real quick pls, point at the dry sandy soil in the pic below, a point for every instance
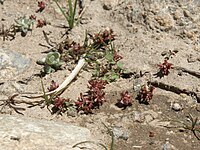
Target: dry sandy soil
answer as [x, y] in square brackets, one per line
[144, 30]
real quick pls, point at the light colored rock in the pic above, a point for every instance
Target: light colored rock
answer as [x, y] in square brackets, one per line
[120, 133]
[12, 63]
[168, 146]
[22, 133]
[176, 106]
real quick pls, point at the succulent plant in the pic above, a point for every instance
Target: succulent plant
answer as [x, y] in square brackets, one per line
[51, 63]
[24, 25]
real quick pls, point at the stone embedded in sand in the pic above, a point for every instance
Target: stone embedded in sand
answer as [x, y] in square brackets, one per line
[12, 63]
[176, 107]
[31, 134]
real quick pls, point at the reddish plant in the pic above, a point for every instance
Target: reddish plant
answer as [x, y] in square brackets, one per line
[32, 17]
[61, 104]
[103, 38]
[84, 104]
[146, 93]
[96, 85]
[77, 49]
[41, 23]
[165, 67]
[94, 97]
[117, 57]
[53, 86]
[41, 5]
[126, 100]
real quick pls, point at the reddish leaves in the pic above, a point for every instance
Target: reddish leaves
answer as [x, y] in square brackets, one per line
[146, 93]
[94, 97]
[41, 5]
[125, 101]
[41, 23]
[103, 38]
[165, 67]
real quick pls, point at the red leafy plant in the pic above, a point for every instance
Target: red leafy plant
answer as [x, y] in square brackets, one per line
[164, 68]
[60, 104]
[94, 98]
[125, 101]
[41, 23]
[41, 5]
[145, 94]
[32, 17]
[102, 38]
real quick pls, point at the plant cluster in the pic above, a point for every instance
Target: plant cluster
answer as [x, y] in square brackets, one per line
[146, 93]
[165, 67]
[125, 101]
[112, 69]
[24, 24]
[41, 6]
[102, 38]
[60, 105]
[98, 50]
[94, 97]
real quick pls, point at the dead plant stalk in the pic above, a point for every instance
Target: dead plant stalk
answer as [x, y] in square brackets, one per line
[65, 83]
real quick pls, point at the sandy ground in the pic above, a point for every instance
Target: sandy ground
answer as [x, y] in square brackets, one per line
[143, 31]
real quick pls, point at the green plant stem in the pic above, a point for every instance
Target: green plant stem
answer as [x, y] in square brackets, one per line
[72, 11]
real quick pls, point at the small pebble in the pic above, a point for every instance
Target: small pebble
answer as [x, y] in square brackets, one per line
[176, 107]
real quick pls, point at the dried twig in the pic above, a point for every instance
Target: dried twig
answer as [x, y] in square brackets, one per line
[11, 103]
[191, 72]
[6, 33]
[175, 89]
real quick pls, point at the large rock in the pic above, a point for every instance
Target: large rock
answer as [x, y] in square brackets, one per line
[12, 63]
[22, 133]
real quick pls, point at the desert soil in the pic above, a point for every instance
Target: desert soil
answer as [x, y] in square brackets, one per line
[144, 30]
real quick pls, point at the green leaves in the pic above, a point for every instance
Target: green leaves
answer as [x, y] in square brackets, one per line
[112, 69]
[51, 63]
[24, 24]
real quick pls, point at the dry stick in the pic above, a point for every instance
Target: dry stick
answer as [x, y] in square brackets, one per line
[194, 73]
[65, 83]
[174, 89]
